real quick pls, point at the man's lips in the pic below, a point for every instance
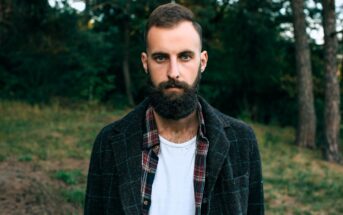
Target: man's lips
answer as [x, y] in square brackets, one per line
[173, 89]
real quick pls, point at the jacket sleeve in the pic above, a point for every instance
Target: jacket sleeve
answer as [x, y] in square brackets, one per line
[256, 197]
[94, 196]
[102, 195]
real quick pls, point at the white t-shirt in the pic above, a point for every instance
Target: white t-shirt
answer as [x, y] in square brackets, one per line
[173, 189]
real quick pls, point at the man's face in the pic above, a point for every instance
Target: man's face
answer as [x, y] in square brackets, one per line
[174, 53]
[174, 61]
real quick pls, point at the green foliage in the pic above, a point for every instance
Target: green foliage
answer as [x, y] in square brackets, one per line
[79, 56]
[69, 177]
[58, 57]
[74, 193]
[75, 196]
[25, 158]
[251, 73]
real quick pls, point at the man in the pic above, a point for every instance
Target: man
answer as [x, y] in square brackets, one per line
[174, 154]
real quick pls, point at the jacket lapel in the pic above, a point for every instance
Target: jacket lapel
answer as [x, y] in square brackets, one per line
[218, 145]
[127, 149]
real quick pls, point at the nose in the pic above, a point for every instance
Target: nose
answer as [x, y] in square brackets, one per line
[173, 70]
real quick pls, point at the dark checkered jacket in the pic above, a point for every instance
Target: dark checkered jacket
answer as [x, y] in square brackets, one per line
[233, 174]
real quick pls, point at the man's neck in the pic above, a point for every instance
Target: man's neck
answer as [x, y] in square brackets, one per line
[177, 131]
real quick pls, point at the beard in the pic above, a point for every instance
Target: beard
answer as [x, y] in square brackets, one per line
[174, 105]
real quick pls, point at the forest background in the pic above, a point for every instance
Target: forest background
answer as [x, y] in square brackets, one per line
[67, 72]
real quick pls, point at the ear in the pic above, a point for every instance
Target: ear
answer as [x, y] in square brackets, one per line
[144, 59]
[203, 60]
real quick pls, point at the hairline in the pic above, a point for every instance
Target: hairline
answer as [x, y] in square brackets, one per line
[196, 26]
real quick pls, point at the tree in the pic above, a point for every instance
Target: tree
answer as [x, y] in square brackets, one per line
[332, 95]
[55, 54]
[5, 25]
[126, 54]
[306, 130]
[118, 19]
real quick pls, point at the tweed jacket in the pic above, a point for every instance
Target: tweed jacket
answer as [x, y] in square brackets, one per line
[233, 172]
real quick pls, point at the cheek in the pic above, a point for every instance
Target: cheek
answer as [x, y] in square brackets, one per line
[155, 79]
[191, 70]
[157, 72]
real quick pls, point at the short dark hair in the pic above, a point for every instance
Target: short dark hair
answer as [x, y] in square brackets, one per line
[169, 15]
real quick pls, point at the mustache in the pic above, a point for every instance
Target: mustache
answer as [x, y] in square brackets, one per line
[173, 83]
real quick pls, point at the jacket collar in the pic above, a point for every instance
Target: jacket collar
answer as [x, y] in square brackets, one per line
[130, 139]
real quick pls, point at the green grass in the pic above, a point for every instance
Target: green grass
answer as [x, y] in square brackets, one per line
[69, 177]
[74, 195]
[50, 132]
[44, 136]
[296, 180]
[75, 181]
[25, 158]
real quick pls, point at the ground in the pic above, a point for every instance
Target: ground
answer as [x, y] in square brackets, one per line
[26, 188]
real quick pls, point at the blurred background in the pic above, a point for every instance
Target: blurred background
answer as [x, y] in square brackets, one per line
[69, 67]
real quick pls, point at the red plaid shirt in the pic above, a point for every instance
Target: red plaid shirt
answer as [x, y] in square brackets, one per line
[150, 151]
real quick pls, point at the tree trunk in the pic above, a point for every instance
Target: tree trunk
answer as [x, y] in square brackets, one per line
[126, 57]
[306, 130]
[2, 20]
[332, 94]
[5, 25]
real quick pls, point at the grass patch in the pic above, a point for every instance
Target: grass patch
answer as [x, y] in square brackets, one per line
[75, 196]
[25, 158]
[74, 192]
[69, 177]
[51, 132]
[2, 157]
[297, 180]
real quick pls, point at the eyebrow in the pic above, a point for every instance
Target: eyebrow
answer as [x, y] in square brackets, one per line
[188, 52]
[166, 54]
[158, 54]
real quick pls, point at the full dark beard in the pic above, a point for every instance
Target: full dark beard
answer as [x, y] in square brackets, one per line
[174, 106]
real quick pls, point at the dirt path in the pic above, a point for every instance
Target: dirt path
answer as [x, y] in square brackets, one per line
[27, 188]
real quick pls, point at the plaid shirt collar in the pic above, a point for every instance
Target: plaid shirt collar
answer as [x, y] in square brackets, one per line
[150, 151]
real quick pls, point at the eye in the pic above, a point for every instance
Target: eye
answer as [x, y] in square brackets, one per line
[160, 58]
[185, 57]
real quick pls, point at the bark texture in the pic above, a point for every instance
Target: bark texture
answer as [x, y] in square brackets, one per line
[306, 130]
[332, 94]
[5, 25]
[126, 56]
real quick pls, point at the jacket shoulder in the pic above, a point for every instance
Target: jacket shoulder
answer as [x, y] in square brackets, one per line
[108, 130]
[242, 129]
[133, 119]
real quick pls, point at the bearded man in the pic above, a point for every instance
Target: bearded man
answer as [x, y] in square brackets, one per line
[174, 154]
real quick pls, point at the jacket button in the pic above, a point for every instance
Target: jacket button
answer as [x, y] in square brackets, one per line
[146, 202]
[204, 200]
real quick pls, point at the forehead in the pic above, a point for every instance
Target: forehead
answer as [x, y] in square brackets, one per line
[180, 37]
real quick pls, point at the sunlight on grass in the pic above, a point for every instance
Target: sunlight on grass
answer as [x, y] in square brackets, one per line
[297, 180]
[50, 132]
